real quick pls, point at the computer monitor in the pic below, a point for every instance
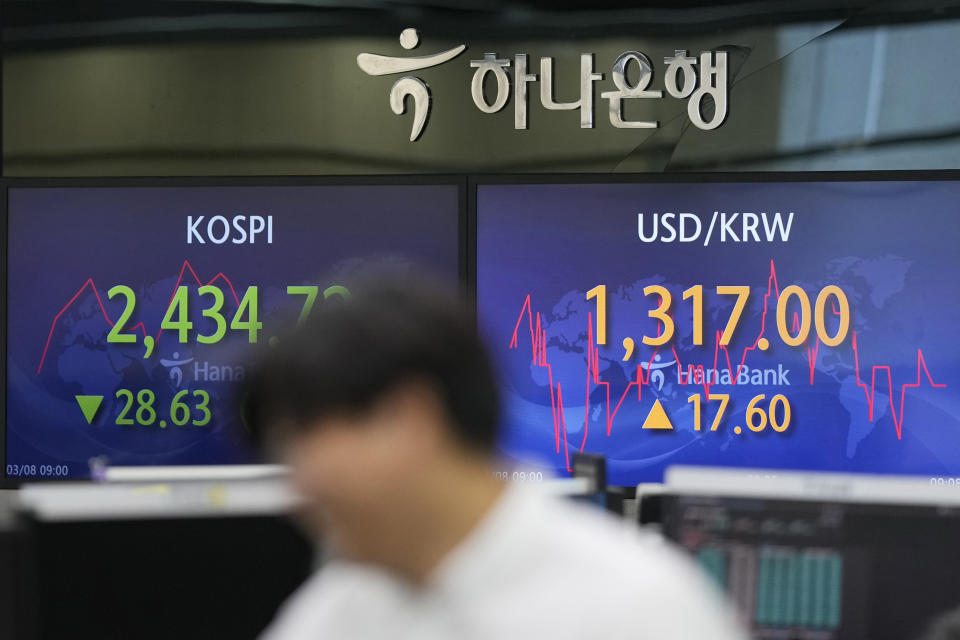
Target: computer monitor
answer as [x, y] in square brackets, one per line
[185, 559]
[132, 306]
[826, 556]
[785, 321]
[11, 557]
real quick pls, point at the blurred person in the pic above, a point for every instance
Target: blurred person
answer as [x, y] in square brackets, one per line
[385, 408]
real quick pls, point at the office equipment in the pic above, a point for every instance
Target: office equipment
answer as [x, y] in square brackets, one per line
[135, 304]
[828, 556]
[790, 321]
[187, 559]
[593, 469]
[11, 558]
[649, 504]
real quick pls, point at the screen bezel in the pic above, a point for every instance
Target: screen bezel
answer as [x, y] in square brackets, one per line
[8, 184]
[476, 181]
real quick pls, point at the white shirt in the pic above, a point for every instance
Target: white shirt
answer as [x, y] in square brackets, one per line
[534, 567]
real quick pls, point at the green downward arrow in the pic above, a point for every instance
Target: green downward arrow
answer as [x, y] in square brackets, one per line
[89, 405]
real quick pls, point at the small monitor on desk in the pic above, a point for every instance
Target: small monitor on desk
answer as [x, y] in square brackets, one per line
[185, 559]
[826, 556]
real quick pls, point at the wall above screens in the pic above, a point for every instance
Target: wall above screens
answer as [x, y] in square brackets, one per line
[833, 88]
[91, 374]
[863, 265]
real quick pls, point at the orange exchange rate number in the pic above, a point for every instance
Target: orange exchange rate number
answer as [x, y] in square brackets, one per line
[757, 417]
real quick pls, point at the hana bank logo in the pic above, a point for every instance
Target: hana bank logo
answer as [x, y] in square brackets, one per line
[174, 365]
[703, 81]
[655, 370]
[378, 65]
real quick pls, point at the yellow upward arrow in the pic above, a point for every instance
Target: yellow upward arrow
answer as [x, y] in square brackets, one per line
[657, 418]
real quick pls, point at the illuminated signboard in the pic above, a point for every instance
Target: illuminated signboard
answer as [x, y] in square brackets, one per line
[132, 309]
[781, 324]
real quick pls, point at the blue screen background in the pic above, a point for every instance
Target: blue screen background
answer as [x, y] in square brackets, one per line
[69, 241]
[892, 246]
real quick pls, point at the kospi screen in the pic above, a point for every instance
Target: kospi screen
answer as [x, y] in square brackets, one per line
[131, 309]
[777, 324]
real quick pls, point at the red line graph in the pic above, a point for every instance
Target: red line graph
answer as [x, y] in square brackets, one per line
[139, 326]
[696, 374]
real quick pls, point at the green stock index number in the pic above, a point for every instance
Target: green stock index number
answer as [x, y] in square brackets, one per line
[177, 320]
[180, 411]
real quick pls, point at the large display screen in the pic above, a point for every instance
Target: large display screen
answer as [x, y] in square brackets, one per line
[131, 310]
[778, 324]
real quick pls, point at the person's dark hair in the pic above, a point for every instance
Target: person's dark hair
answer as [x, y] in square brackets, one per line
[348, 354]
